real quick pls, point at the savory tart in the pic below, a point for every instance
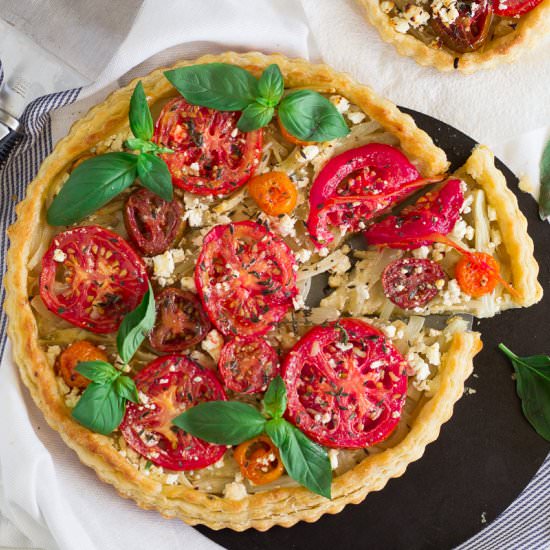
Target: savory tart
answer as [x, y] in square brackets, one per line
[157, 286]
[460, 35]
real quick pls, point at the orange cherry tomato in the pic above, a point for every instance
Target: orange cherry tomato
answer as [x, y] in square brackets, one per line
[274, 193]
[289, 137]
[77, 353]
[259, 460]
[477, 274]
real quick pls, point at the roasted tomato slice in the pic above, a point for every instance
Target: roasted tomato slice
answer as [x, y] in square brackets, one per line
[211, 156]
[92, 277]
[248, 365]
[412, 282]
[346, 384]
[180, 323]
[469, 30]
[514, 8]
[153, 224]
[357, 185]
[245, 278]
[435, 213]
[168, 386]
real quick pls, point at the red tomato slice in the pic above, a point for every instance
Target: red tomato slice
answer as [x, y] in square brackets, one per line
[435, 213]
[411, 282]
[171, 385]
[211, 156]
[245, 278]
[346, 384]
[355, 186]
[514, 8]
[92, 278]
[153, 224]
[248, 365]
[180, 323]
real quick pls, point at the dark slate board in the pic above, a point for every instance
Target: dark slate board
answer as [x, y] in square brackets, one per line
[486, 454]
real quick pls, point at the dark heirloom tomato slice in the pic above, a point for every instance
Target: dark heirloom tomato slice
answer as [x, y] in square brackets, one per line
[411, 282]
[245, 278]
[247, 365]
[180, 323]
[355, 186]
[470, 29]
[211, 155]
[153, 224]
[435, 213]
[346, 384]
[513, 8]
[168, 386]
[92, 277]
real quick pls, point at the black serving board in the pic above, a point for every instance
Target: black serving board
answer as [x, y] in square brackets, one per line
[486, 454]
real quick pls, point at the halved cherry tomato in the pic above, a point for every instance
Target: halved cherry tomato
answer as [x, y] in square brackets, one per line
[514, 8]
[247, 365]
[259, 460]
[469, 31]
[477, 274]
[211, 155]
[168, 386]
[355, 186]
[92, 277]
[153, 224]
[346, 384]
[78, 352]
[290, 138]
[245, 278]
[274, 193]
[180, 322]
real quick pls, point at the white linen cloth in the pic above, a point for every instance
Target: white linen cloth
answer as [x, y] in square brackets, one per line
[48, 499]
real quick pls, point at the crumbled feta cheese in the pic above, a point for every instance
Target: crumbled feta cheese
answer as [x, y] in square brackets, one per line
[416, 16]
[171, 479]
[400, 25]
[356, 117]
[213, 344]
[421, 252]
[178, 255]
[234, 491]
[452, 295]
[341, 103]
[298, 302]
[285, 225]
[445, 10]
[59, 255]
[308, 153]
[333, 457]
[188, 283]
[194, 167]
[303, 255]
[459, 230]
[323, 252]
[491, 214]
[194, 210]
[389, 331]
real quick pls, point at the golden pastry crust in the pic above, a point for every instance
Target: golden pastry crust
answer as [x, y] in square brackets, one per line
[283, 506]
[531, 27]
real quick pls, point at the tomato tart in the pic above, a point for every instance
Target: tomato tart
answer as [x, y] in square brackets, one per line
[460, 35]
[159, 280]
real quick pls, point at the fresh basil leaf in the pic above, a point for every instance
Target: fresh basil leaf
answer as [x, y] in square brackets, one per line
[91, 185]
[135, 326]
[126, 387]
[274, 402]
[143, 146]
[100, 408]
[154, 174]
[533, 387]
[544, 197]
[271, 85]
[216, 85]
[141, 121]
[255, 116]
[305, 461]
[98, 371]
[222, 422]
[309, 116]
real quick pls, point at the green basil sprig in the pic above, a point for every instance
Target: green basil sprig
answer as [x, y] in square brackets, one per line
[306, 114]
[96, 181]
[103, 403]
[232, 422]
[533, 387]
[544, 198]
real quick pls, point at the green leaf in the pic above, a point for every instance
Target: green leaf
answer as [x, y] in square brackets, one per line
[100, 408]
[222, 422]
[154, 174]
[274, 402]
[141, 121]
[143, 146]
[544, 198]
[126, 387]
[135, 326]
[98, 371]
[309, 116]
[305, 461]
[271, 85]
[533, 387]
[91, 185]
[255, 116]
[216, 85]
